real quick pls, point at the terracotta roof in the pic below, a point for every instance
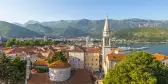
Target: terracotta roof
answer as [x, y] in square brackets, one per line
[116, 56]
[158, 56]
[59, 64]
[20, 50]
[76, 49]
[80, 76]
[93, 50]
[41, 62]
[4, 48]
[7, 51]
[39, 78]
[166, 57]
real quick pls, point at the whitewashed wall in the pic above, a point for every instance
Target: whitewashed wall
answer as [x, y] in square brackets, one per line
[59, 74]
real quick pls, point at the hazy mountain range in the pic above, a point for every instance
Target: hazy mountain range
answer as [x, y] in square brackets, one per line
[83, 27]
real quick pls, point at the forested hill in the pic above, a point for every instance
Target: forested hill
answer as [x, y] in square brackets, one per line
[12, 30]
[86, 27]
[148, 34]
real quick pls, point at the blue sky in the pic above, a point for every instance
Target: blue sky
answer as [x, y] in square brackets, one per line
[49, 10]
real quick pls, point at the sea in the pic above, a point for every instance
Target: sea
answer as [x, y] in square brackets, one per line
[161, 48]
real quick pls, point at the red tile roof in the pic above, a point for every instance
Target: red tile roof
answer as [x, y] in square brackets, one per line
[117, 57]
[41, 62]
[76, 49]
[93, 50]
[80, 76]
[158, 56]
[21, 50]
[39, 78]
[59, 64]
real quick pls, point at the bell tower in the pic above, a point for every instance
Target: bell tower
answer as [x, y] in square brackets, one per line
[106, 47]
[106, 34]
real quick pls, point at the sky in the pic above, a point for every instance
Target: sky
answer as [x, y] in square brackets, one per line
[52, 10]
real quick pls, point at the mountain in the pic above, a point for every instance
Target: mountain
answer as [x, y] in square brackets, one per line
[145, 33]
[31, 22]
[73, 32]
[19, 24]
[39, 28]
[12, 30]
[92, 28]
[95, 27]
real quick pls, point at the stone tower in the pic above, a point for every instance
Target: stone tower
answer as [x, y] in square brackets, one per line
[106, 47]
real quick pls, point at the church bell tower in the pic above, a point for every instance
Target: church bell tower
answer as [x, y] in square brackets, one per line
[106, 47]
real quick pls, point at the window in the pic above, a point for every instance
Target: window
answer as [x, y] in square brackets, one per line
[92, 59]
[92, 64]
[96, 59]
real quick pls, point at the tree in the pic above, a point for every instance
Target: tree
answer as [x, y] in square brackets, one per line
[10, 42]
[57, 56]
[17, 70]
[138, 68]
[12, 70]
[4, 63]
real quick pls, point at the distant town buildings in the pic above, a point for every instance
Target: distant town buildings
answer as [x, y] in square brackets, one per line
[45, 38]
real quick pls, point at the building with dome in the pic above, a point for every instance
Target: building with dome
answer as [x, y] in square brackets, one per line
[59, 71]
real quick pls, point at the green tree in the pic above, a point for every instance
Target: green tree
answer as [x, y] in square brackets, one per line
[138, 68]
[4, 70]
[12, 70]
[57, 56]
[17, 70]
[10, 42]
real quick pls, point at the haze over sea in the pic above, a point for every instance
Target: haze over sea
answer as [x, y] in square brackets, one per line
[161, 48]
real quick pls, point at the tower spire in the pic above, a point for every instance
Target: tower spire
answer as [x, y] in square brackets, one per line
[106, 25]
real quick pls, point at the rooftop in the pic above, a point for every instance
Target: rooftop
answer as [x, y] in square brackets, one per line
[41, 62]
[76, 49]
[117, 57]
[59, 64]
[93, 50]
[80, 76]
[158, 56]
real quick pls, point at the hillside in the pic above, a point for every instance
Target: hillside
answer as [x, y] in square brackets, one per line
[11, 30]
[95, 27]
[152, 34]
[39, 28]
[72, 32]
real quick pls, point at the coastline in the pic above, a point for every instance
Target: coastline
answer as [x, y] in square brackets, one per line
[141, 42]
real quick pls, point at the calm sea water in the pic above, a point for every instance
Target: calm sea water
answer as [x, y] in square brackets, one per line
[153, 47]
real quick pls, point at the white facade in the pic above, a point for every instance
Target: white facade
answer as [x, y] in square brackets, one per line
[59, 74]
[76, 59]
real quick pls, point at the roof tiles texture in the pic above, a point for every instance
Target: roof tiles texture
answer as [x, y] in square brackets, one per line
[59, 64]
[80, 76]
[41, 63]
[93, 50]
[117, 57]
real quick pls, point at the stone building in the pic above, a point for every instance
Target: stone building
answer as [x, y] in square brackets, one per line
[92, 58]
[76, 57]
